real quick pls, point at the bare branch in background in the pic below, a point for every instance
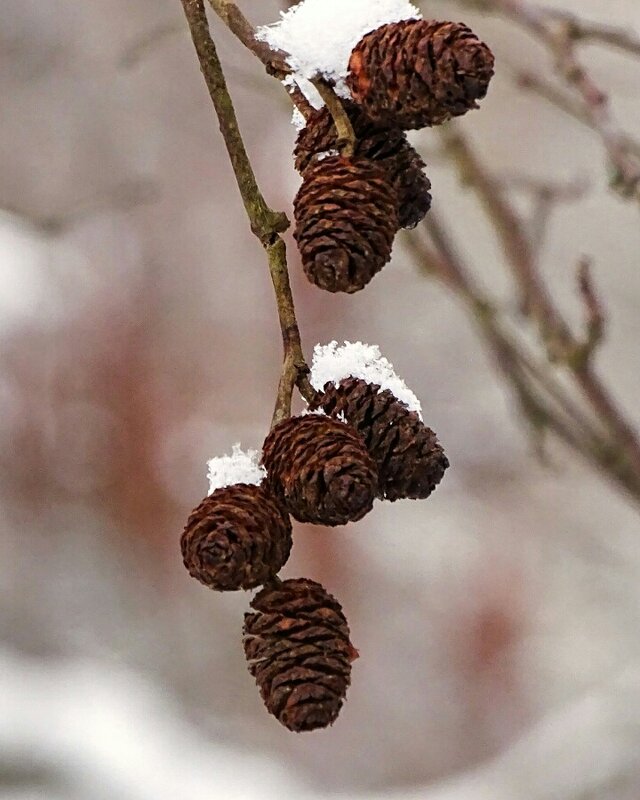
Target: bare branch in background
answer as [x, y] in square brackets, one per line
[565, 102]
[537, 303]
[544, 400]
[560, 32]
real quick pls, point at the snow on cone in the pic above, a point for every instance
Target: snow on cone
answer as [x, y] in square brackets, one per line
[357, 384]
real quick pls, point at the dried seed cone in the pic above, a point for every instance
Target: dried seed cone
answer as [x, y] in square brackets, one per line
[298, 650]
[237, 538]
[418, 73]
[321, 470]
[346, 215]
[410, 460]
[387, 146]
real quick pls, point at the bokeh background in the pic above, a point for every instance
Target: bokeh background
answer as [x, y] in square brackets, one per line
[497, 622]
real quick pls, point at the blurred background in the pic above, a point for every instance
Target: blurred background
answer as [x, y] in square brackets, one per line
[497, 622]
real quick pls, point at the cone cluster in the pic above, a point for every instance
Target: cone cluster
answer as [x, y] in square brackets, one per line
[402, 76]
[385, 145]
[325, 467]
[358, 441]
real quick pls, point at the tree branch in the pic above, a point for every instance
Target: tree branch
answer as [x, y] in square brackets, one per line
[560, 31]
[266, 224]
[566, 103]
[274, 60]
[542, 398]
[560, 343]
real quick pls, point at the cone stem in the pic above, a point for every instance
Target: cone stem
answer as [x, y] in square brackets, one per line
[344, 128]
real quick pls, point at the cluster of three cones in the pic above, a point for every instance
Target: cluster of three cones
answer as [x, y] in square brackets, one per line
[402, 76]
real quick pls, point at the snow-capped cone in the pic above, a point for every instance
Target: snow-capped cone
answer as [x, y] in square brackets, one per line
[408, 456]
[418, 73]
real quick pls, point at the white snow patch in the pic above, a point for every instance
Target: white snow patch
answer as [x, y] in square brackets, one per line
[297, 120]
[322, 413]
[319, 35]
[327, 154]
[333, 362]
[239, 467]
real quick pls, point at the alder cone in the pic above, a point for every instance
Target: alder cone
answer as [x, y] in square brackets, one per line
[298, 650]
[320, 469]
[346, 215]
[409, 458]
[385, 145]
[237, 538]
[418, 73]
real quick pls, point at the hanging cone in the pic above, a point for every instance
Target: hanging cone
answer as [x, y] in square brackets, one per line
[237, 538]
[320, 469]
[298, 650]
[418, 73]
[387, 146]
[346, 215]
[409, 458]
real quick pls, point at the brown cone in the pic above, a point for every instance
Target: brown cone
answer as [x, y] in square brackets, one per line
[387, 146]
[320, 469]
[298, 649]
[418, 73]
[410, 460]
[237, 538]
[346, 215]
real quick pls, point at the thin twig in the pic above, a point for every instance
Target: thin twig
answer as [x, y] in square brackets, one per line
[274, 61]
[239, 25]
[346, 137]
[565, 102]
[266, 224]
[595, 315]
[542, 399]
[560, 31]
[535, 300]
[585, 31]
